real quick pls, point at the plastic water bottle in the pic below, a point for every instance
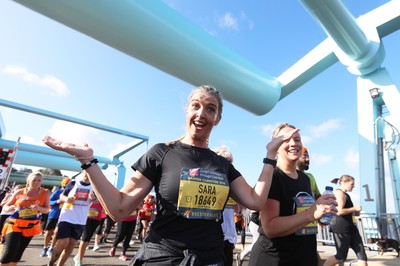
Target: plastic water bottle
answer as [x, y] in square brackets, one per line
[328, 218]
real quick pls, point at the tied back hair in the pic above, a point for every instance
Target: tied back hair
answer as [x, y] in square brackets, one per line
[342, 179]
[208, 90]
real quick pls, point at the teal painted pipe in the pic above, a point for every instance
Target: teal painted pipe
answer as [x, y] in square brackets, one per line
[48, 181]
[359, 44]
[38, 111]
[48, 158]
[340, 24]
[159, 36]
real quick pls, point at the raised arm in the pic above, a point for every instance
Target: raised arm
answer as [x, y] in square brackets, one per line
[118, 203]
[254, 198]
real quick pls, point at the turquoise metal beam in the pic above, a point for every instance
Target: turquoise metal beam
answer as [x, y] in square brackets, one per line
[156, 34]
[357, 45]
[386, 20]
[370, 129]
[45, 157]
[71, 119]
[340, 25]
[121, 172]
[48, 181]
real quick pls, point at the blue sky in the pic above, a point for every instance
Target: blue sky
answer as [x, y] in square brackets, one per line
[50, 66]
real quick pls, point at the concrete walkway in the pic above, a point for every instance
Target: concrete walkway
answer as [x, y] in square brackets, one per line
[31, 256]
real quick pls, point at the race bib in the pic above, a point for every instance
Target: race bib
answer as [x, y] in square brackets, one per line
[202, 194]
[230, 204]
[302, 202]
[27, 212]
[93, 213]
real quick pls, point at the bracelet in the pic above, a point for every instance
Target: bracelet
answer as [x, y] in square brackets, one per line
[88, 164]
[270, 161]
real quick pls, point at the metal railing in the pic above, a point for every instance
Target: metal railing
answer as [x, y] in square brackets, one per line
[369, 227]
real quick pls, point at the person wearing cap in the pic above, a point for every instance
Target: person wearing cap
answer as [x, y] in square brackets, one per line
[54, 214]
[303, 165]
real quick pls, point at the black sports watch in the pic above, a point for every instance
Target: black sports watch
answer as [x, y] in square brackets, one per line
[269, 161]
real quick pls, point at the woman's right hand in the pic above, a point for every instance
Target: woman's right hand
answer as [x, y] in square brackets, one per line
[275, 143]
[324, 205]
[81, 153]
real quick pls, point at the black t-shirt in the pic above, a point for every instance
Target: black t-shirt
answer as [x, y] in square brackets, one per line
[162, 165]
[291, 249]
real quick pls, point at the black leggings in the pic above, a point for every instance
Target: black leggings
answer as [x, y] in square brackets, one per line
[14, 247]
[124, 232]
[109, 224]
[90, 228]
[99, 229]
[351, 240]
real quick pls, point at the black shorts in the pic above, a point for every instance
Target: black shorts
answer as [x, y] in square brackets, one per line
[51, 224]
[90, 228]
[68, 230]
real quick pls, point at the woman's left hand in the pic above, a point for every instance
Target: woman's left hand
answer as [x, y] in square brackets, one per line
[325, 204]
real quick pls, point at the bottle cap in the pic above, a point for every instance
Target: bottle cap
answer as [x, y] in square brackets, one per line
[329, 188]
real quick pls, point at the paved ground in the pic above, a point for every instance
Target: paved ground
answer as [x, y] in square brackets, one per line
[31, 256]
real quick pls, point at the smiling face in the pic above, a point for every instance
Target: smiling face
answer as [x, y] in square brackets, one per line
[202, 114]
[290, 150]
[34, 181]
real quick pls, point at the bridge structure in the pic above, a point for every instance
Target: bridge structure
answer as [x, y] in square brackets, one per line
[357, 43]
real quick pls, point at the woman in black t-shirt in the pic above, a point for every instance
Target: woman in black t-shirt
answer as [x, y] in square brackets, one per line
[192, 184]
[288, 219]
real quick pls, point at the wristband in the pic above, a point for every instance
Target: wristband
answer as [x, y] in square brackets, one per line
[270, 161]
[88, 164]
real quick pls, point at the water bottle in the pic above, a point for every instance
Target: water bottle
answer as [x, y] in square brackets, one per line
[328, 218]
[69, 204]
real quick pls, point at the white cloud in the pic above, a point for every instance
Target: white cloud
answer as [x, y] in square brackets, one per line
[228, 21]
[250, 23]
[305, 139]
[30, 140]
[325, 128]
[56, 86]
[320, 159]
[314, 132]
[78, 134]
[309, 133]
[268, 130]
[352, 158]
